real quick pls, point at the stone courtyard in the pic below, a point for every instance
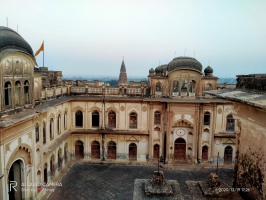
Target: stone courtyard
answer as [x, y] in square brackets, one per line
[116, 181]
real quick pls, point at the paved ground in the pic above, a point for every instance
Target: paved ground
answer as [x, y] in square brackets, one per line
[108, 181]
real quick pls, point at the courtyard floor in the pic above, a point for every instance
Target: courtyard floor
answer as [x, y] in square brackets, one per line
[110, 181]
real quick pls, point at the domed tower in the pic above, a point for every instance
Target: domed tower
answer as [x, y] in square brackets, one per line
[123, 75]
[209, 82]
[17, 64]
[157, 80]
[184, 75]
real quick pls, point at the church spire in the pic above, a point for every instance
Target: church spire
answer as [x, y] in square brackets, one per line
[123, 74]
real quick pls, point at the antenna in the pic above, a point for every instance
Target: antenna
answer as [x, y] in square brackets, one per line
[123, 58]
[185, 52]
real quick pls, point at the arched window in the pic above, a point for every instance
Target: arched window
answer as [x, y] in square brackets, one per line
[111, 119]
[37, 132]
[51, 129]
[157, 117]
[8, 92]
[207, 118]
[65, 120]
[158, 87]
[208, 87]
[230, 123]
[175, 86]
[26, 92]
[95, 119]
[79, 118]
[59, 124]
[184, 86]
[44, 133]
[17, 93]
[133, 120]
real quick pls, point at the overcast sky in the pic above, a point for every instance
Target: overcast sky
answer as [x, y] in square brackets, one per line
[91, 37]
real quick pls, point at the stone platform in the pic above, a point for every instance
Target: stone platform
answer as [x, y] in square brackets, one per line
[171, 190]
[156, 189]
[200, 190]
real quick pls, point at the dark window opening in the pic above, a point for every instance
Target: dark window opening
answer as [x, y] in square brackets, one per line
[44, 133]
[26, 92]
[51, 129]
[58, 125]
[37, 132]
[207, 118]
[8, 95]
[79, 118]
[95, 119]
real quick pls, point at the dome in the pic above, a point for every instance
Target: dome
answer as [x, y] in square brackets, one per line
[10, 39]
[151, 71]
[160, 69]
[208, 70]
[184, 63]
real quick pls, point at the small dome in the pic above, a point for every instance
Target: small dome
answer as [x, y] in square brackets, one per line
[184, 62]
[160, 69]
[208, 70]
[151, 71]
[10, 39]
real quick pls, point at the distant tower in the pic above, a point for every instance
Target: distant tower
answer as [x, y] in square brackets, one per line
[123, 75]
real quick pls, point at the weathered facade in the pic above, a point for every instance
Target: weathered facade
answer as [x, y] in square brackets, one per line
[250, 117]
[137, 122]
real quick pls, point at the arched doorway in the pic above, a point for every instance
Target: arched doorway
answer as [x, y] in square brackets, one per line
[95, 149]
[45, 177]
[156, 151]
[132, 151]
[204, 153]
[228, 154]
[16, 178]
[180, 149]
[79, 149]
[111, 152]
[52, 165]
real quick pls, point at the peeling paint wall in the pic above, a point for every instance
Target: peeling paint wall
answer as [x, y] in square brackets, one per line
[251, 151]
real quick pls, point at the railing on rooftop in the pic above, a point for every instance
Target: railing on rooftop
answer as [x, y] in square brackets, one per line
[55, 92]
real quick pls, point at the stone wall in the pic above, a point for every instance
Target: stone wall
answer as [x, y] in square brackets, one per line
[250, 157]
[252, 81]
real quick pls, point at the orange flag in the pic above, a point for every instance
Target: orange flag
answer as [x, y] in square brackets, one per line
[40, 49]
